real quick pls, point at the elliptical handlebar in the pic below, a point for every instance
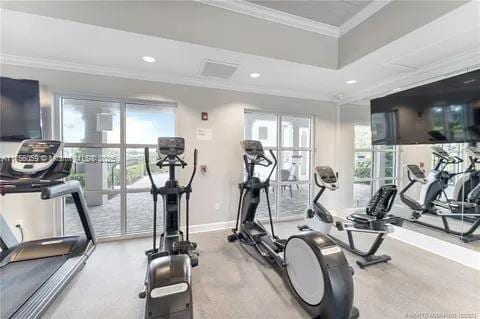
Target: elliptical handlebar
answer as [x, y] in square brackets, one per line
[172, 161]
[147, 167]
[270, 163]
[458, 160]
[195, 156]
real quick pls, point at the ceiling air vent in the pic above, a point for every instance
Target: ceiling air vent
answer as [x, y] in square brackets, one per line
[216, 69]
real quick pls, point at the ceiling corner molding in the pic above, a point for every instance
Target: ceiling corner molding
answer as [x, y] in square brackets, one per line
[449, 67]
[272, 15]
[362, 15]
[56, 65]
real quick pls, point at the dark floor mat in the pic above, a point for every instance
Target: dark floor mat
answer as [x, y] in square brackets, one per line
[19, 280]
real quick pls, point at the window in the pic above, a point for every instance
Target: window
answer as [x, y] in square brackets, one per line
[374, 166]
[106, 139]
[290, 138]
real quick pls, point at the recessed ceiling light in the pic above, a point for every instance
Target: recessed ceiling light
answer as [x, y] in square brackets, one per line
[149, 59]
[351, 81]
[254, 75]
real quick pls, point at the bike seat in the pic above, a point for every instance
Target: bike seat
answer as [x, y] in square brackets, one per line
[361, 218]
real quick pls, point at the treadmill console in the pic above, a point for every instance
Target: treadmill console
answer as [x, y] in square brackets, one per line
[36, 160]
[440, 152]
[36, 155]
[171, 146]
[252, 147]
[417, 173]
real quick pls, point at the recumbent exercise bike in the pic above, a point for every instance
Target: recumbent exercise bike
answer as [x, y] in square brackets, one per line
[376, 220]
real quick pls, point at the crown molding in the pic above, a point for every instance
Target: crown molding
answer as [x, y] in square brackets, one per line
[272, 15]
[57, 65]
[449, 67]
[362, 15]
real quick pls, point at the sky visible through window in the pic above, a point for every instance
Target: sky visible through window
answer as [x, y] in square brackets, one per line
[143, 124]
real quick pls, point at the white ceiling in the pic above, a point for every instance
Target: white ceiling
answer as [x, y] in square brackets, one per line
[430, 51]
[333, 13]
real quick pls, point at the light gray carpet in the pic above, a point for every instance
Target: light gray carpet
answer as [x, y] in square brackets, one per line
[230, 283]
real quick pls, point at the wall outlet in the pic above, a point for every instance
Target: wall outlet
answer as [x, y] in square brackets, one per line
[19, 222]
[217, 206]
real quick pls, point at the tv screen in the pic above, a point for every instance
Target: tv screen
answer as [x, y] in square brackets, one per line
[20, 117]
[447, 111]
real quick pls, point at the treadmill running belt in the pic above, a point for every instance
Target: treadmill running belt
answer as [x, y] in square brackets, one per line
[20, 280]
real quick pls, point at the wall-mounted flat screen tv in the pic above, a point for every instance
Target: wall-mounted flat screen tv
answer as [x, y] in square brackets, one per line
[20, 116]
[446, 111]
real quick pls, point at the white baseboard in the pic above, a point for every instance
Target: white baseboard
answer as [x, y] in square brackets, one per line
[201, 228]
[462, 255]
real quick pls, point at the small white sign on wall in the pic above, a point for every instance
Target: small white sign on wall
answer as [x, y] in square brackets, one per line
[204, 134]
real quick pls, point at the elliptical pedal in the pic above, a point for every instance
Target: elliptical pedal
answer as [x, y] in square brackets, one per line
[281, 243]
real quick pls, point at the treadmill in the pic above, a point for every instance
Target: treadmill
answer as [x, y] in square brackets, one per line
[33, 273]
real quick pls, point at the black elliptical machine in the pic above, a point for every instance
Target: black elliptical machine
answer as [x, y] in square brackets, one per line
[168, 283]
[314, 267]
[376, 220]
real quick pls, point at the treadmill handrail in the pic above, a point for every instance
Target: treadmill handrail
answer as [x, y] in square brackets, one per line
[75, 189]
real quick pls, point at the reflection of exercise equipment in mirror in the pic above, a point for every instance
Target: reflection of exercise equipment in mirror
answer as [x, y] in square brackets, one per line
[317, 271]
[467, 186]
[433, 187]
[375, 220]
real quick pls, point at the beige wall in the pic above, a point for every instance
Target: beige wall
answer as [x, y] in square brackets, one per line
[222, 154]
[348, 116]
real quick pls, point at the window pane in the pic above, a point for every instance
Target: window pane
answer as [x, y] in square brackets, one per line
[95, 168]
[363, 136]
[104, 210]
[262, 211]
[262, 127]
[384, 164]
[140, 213]
[363, 165]
[88, 121]
[381, 182]
[136, 173]
[295, 131]
[294, 199]
[361, 193]
[295, 166]
[156, 120]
